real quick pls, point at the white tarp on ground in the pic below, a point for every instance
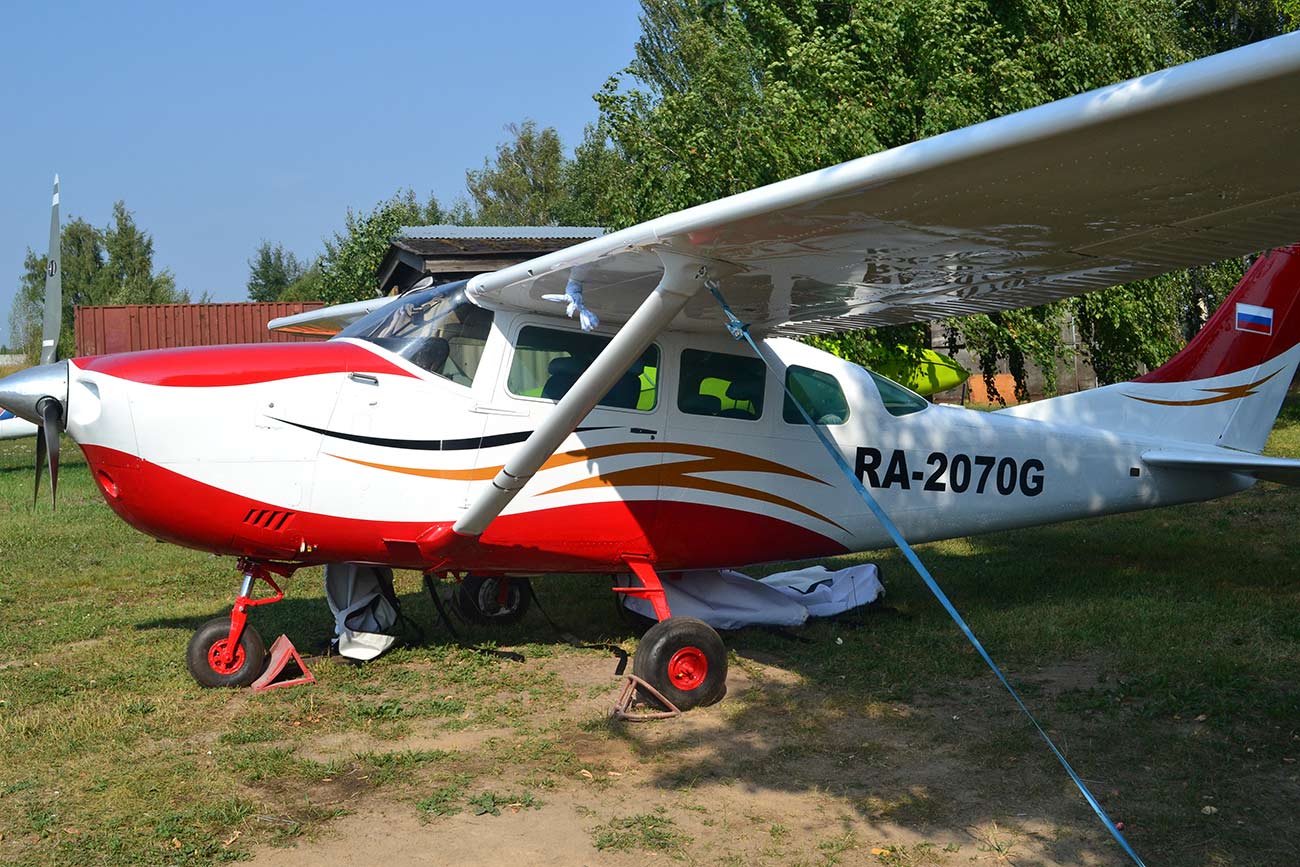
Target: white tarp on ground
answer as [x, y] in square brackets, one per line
[725, 599]
[825, 593]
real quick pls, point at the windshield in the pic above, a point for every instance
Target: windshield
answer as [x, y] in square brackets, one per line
[437, 329]
[898, 400]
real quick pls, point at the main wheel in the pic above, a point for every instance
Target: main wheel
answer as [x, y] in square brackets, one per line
[204, 655]
[494, 600]
[684, 659]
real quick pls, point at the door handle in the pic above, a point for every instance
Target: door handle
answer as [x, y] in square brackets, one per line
[367, 378]
[644, 430]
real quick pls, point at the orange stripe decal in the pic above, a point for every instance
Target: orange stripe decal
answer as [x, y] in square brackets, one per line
[1232, 392]
[476, 474]
[675, 474]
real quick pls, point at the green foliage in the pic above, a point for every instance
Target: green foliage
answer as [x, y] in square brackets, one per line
[526, 185]
[271, 271]
[1218, 25]
[113, 265]
[1127, 328]
[307, 287]
[875, 348]
[347, 268]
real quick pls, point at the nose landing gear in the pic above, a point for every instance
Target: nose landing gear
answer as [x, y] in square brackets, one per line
[226, 651]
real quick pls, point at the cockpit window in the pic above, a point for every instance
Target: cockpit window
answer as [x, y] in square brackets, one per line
[548, 362]
[437, 329]
[897, 399]
[818, 393]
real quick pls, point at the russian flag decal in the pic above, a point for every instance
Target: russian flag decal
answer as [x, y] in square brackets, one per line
[1256, 319]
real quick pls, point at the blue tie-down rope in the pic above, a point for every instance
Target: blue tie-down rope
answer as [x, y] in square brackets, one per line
[740, 331]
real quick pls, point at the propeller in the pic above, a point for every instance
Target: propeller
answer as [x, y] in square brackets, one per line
[40, 394]
[48, 408]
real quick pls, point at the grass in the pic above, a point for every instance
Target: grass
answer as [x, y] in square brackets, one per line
[652, 832]
[1160, 649]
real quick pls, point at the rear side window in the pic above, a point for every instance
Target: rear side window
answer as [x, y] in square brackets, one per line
[898, 400]
[722, 385]
[548, 362]
[818, 393]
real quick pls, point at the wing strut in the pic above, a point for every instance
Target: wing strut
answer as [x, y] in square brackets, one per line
[682, 279]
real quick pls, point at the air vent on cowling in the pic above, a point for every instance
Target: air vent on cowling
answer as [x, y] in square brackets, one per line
[268, 519]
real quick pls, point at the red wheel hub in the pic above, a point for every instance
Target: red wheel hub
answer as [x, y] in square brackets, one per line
[688, 668]
[215, 653]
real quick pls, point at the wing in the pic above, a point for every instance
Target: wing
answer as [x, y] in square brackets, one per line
[1282, 470]
[326, 321]
[1184, 166]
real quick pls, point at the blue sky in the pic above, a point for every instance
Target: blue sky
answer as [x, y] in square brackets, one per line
[223, 124]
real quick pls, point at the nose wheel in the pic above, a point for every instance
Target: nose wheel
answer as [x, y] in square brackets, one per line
[227, 651]
[212, 665]
[685, 660]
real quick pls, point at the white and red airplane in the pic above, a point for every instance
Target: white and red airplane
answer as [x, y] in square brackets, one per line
[473, 427]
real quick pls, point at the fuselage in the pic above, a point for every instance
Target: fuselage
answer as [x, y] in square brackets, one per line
[347, 451]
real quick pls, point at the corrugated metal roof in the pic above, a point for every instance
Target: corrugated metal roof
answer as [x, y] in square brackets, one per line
[499, 232]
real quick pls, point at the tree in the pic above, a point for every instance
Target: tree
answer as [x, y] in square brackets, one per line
[113, 265]
[271, 270]
[526, 185]
[306, 288]
[128, 276]
[348, 265]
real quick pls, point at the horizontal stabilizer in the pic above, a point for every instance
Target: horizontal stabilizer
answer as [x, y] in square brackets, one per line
[1285, 471]
[326, 321]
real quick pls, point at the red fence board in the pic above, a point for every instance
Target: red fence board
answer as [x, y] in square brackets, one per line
[127, 328]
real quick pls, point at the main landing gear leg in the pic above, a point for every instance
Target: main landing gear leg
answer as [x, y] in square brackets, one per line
[681, 658]
[227, 651]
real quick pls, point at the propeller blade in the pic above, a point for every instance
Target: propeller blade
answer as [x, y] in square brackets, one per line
[48, 442]
[53, 321]
[40, 462]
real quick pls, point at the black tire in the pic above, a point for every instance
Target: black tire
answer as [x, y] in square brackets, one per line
[478, 599]
[684, 659]
[199, 655]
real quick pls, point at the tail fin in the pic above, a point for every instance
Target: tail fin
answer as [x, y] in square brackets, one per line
[1225, 387]
[1258, 322]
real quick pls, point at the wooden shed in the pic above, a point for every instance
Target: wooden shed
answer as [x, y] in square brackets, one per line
[459, 252]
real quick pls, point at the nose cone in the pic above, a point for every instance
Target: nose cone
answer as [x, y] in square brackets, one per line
[21, 392]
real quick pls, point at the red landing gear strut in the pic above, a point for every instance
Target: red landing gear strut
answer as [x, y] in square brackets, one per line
[682, 660]
[226, 651]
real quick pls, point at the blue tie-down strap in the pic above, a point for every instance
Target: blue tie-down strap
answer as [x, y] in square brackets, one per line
[740, 331]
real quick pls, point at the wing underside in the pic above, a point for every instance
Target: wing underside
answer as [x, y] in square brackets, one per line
[1184, 166]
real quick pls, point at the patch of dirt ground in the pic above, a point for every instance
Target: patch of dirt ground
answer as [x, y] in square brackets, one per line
[772, 775]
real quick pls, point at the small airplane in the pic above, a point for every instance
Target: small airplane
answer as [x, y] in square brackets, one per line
[590, 410]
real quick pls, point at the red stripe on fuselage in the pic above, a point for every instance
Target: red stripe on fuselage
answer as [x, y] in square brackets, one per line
[591, 537]
[207, 366]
